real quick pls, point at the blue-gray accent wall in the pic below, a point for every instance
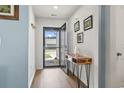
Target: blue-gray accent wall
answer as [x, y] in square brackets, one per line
[103, 29]
[14, 51]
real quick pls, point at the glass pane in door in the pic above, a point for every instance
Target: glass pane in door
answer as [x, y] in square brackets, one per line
[51, 48]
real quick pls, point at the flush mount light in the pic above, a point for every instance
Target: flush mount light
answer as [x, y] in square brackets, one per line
[53, 15]
[55, 7]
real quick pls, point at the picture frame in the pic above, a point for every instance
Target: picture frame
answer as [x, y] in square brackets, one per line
[80, 37]
[88, 23]
[77, 26]
[10, 12]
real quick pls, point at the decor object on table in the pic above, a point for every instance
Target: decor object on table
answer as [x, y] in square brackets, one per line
[88, 23]
[77, 26]
[80, 37]
[76, 51]
[10, 12]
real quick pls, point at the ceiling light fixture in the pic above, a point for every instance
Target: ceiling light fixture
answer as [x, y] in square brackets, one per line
[55, 7]
[53, 14]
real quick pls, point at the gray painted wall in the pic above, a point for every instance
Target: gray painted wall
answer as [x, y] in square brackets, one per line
[90, 45]
[14, 51]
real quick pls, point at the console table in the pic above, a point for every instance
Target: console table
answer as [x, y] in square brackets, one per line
[80, 61]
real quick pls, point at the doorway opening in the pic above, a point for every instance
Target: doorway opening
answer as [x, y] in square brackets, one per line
[51, 47]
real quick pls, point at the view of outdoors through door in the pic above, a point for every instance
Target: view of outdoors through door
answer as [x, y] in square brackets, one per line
[51, 47]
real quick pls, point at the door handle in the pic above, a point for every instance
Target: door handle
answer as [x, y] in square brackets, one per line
[119, 54]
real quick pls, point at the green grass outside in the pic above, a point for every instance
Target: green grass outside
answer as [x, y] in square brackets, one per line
[48, 56]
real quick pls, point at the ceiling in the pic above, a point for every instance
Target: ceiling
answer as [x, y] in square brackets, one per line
[49, 11]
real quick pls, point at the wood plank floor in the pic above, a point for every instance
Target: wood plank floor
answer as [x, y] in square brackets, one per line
[53, 78]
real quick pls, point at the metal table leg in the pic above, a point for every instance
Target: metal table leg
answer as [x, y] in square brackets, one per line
[68, 68]
[73, 68]
[81, 71]
[78, 82]
[87, 67]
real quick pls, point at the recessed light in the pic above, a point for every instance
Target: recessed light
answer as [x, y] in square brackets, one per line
[55, 7]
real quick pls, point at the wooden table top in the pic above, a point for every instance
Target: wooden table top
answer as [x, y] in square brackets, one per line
[79, 59]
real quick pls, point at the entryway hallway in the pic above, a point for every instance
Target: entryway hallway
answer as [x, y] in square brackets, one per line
[91, 46]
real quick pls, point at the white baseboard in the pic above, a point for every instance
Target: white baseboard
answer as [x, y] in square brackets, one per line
[30, 82]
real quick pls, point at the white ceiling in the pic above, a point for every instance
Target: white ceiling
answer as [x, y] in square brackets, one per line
[63, 11]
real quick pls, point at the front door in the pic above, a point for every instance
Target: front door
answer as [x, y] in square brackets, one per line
[119, 40]
[51, 47]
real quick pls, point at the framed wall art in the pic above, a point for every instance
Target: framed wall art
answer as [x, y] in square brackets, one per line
[80, 37]
[77, 26]
[88, 23]
[10, 12]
